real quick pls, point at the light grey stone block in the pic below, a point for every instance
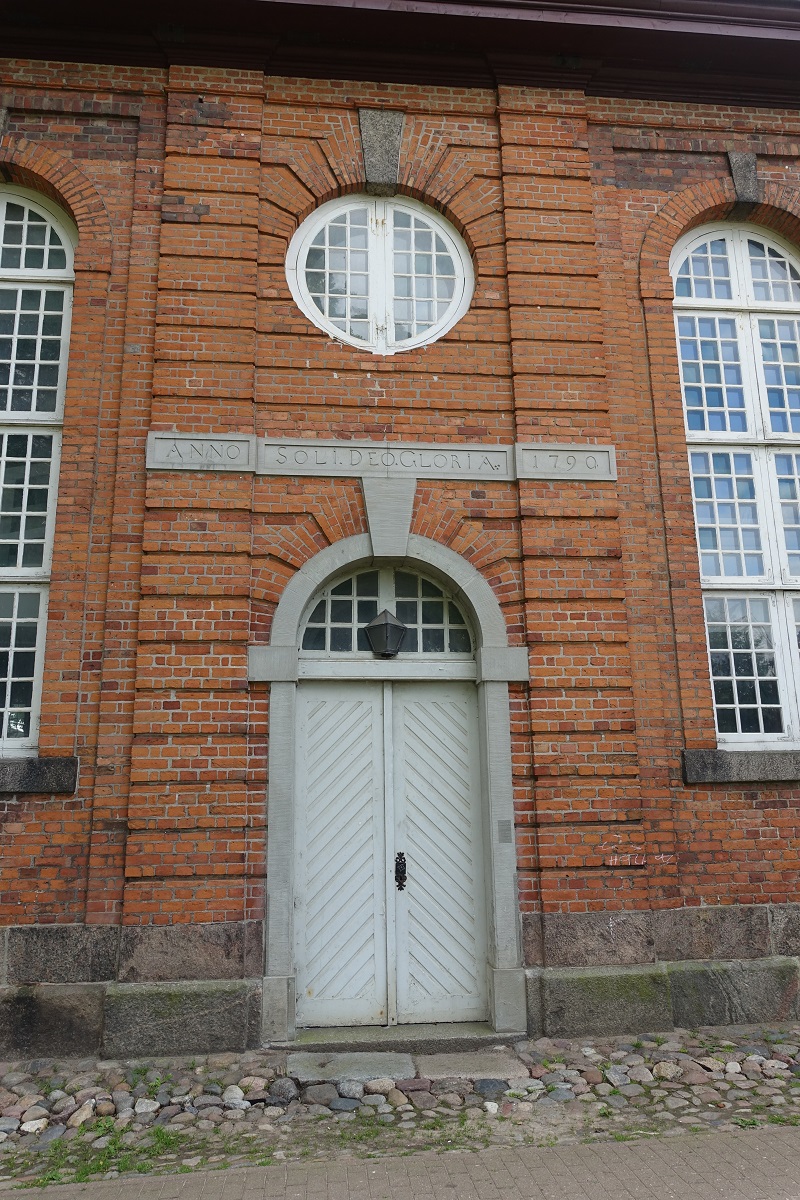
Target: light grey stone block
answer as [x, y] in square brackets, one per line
[472, 1064]
[161, 953]
[52, 1019]
[741, 766]
[322, 1068]
[38, 775]
[381, 138]
[508, 1000]
[598, 939]
[744, 172]
[605, 1000]
[733, 993]
[390, 506]
[61, 953]
[724, 931]
[785, 928]
[182, 1018]
[533, 997]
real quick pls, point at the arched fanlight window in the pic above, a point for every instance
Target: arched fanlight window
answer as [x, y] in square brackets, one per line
[36, 254]
[435, 622]
[737, 315]
[385, 275]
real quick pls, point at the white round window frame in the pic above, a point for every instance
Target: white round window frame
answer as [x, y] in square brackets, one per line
[379, 343]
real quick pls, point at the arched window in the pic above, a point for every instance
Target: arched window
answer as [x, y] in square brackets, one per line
[435, 623]
[737, 315]
[385, 275]
[36, 247]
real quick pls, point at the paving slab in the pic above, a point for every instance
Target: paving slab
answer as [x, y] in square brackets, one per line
[320, 1068]
[759, 1164]
[476, 1064]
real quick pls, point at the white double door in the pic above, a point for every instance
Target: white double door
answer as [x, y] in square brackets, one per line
[388, 770]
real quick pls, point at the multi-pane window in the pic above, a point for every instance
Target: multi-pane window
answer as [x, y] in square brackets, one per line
[711, 371]
[336, 272]
[780, 361]
[434, 621]
[35, 300]
[737, 316]
[424, 275]
[31, 348]
[384, 275]
[741, 643]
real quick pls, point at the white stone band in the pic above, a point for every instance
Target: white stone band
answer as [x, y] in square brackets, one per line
[378, 460]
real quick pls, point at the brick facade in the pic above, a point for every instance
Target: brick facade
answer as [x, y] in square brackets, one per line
[186, 185]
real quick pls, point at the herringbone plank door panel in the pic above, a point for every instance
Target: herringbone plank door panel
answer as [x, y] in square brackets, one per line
[340, 900]
[441, 941]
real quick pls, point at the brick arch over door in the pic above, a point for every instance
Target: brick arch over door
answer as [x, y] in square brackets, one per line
[497, 663]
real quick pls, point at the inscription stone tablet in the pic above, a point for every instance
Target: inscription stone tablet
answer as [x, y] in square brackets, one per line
[383, 460]
[554, 460]
[361, 459]
[201, 451]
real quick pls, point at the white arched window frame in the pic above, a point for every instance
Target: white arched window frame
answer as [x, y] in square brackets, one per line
[737, 317]
[332, 629]
[385, 275]
[36, 278]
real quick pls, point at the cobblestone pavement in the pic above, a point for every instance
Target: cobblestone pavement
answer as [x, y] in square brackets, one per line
[79, 1121]
[754, 1165]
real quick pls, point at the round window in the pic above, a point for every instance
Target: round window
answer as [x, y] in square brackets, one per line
[385, 275]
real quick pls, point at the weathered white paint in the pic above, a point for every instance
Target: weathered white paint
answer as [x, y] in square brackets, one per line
[390, 506]
[506, 977]
[383, 768]
[441, 915]
[340, 915]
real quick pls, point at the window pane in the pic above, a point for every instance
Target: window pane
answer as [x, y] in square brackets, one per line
[726, 514]
[711, 373]
[437, 625]
[28, 241]
[336, 272]
[746, 691]
[774, 279]
[434, 624]
[31, 346]
[787, 470]
[424, 276]
[705, 274]
[780, 360]
[25, 461]
[21, 628]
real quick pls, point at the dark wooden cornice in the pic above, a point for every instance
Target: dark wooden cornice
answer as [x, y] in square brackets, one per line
[723, 18]
[714, 51]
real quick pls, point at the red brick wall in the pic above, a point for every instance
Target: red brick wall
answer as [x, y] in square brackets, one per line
[186, 186]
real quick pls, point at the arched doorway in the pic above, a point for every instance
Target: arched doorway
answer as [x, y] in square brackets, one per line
[390, 909]
[386, 699]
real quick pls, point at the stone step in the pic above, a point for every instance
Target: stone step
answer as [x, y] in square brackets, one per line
[404, 1039]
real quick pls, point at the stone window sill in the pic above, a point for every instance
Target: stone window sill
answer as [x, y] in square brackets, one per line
[38, 775]
[741, 766]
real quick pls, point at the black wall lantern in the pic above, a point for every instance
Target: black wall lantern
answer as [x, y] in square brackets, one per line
[385, 634]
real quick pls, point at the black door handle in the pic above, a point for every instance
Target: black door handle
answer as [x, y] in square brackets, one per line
[400, 871]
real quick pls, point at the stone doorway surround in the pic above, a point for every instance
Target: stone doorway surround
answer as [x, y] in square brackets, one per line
[389, 504]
